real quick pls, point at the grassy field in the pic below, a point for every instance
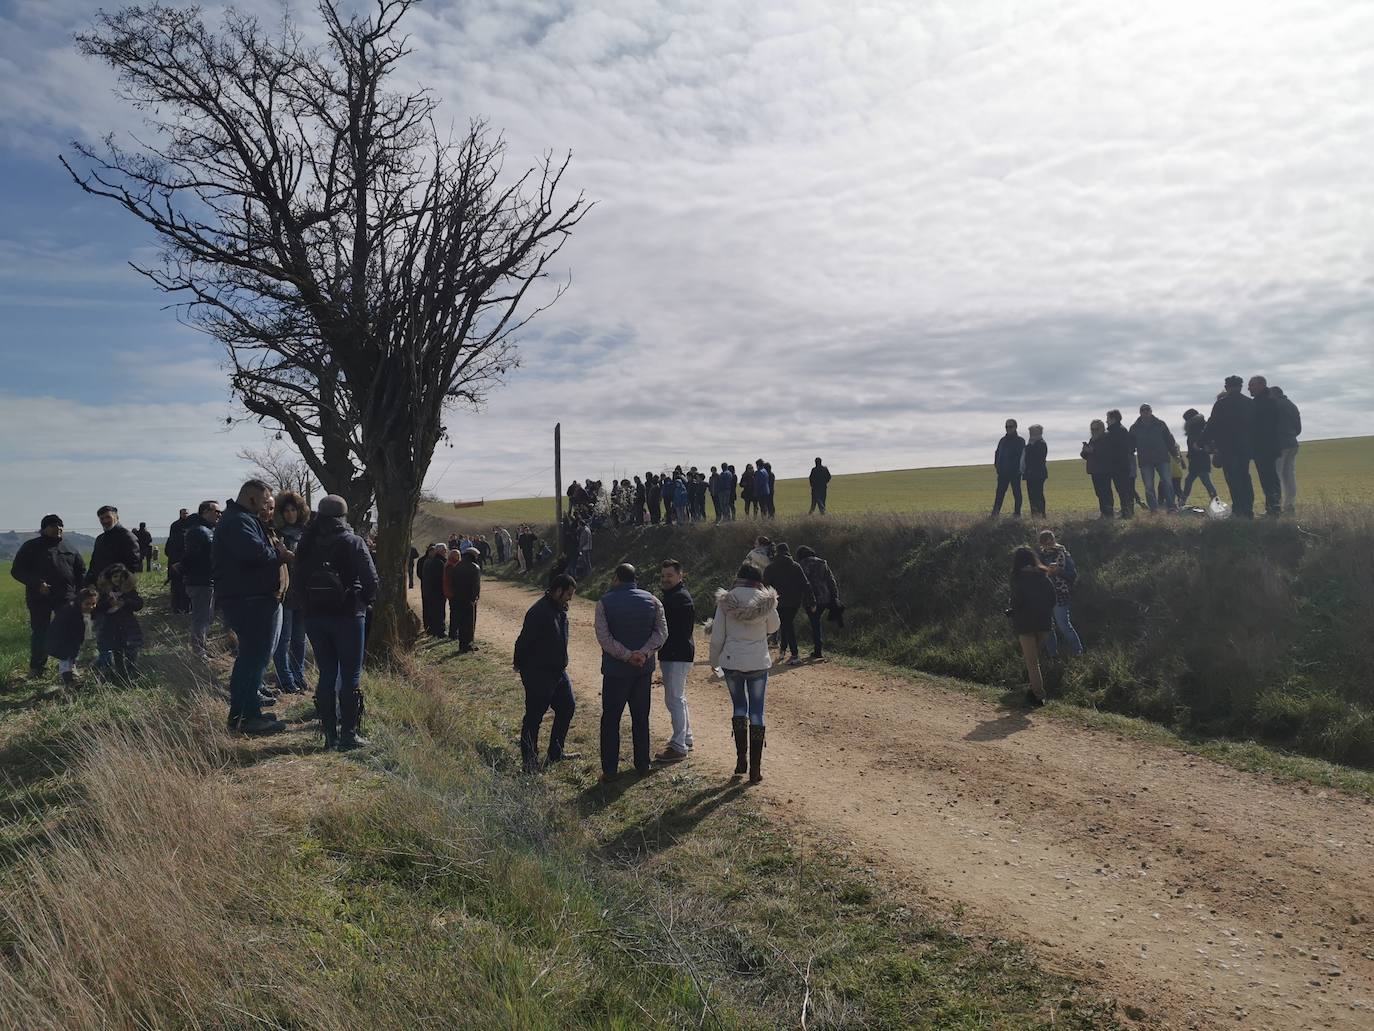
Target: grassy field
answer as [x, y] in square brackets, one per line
[1329, 472]
[156, 873]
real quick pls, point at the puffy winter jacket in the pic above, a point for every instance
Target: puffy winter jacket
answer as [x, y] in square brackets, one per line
[745, 616]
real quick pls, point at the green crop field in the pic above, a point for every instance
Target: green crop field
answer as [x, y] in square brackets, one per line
[1330, 472]
[14, 628]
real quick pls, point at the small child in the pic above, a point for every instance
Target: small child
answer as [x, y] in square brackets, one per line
[120, 635]
[67, 632]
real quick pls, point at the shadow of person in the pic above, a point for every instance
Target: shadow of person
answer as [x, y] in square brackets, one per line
[662, 830]
[1004, 726]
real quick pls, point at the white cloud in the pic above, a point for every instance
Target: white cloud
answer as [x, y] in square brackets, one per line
[874, 230]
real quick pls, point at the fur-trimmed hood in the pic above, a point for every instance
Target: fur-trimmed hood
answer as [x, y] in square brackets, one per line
[748, 604]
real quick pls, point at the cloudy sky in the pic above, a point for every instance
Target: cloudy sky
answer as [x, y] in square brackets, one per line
[870, 231]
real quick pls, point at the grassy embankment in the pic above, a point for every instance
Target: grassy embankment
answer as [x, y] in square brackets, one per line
[154, 872]
[1215, 629]
[1331, 472]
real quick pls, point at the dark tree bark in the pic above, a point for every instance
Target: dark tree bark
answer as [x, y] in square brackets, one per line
[362, 272]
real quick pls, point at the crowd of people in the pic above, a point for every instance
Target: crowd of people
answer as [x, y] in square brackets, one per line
[682, 496]
[1262, 429]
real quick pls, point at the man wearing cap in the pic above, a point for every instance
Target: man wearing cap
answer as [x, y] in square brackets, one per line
[465, 588]
[51, 570]
[116, 545]
[630, 627]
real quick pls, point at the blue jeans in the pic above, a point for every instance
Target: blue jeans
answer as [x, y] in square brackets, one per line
[338, 642]
[1065, 627]
[1166, 484]
[289, 655]
[254, 622]
[747, 691]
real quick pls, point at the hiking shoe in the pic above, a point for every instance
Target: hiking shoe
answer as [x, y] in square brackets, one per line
[670, 755]
[794, 661]
[349, 742]
[258, 726]
[562, 758]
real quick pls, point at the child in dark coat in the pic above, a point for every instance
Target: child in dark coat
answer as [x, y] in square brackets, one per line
[120, 634]
[67, 632]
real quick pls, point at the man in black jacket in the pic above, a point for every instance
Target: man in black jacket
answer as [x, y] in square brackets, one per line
[1266, 429]
[465, 589]
[145, 547]
[786, 577]
[175, 550]
[1120, 448]
[675, 658]
[820, 484]
[116, 545]
[1230, 435]
[432, 601]
[541, 659]
[51, 570]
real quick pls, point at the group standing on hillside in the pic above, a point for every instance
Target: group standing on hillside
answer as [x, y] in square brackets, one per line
[1262, 428]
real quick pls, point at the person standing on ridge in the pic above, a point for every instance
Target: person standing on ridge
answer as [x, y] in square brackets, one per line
[1034, 469]
[1229, 435]
[1199, 461]
[820, 485]
[197, 571]
[1267, 428]
[174, 548]
[1098, 466]
[1290, 429]
[51, 571]
[432, 599]
[630, 628]
[1006, 460]
[1154, 445]
[1120, 449]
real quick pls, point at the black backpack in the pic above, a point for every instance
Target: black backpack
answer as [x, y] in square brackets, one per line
[328, 584]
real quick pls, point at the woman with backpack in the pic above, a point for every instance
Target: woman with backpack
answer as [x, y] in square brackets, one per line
[1062, 573]
[338, 582]
[745, 616]
[1032, 615]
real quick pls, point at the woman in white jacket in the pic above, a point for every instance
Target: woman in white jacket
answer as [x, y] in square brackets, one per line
[745, 616]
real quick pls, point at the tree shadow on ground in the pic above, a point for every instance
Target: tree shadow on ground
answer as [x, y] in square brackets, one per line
[664, 829]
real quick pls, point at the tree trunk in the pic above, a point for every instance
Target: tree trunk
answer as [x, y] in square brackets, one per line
[395, 626]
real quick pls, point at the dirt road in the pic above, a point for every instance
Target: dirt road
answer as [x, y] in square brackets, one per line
[1205, 896]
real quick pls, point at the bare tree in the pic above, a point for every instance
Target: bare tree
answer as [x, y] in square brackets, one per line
[282, 468]
[363, 271]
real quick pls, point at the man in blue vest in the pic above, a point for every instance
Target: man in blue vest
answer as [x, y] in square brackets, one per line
[630, 627]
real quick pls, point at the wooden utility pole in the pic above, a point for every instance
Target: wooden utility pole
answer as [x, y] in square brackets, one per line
[558, 482]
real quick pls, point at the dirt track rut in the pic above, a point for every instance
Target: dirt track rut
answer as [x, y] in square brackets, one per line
[1206, 896]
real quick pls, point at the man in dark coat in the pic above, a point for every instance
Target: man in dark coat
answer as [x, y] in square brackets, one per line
[788, 578]
[432, 590]
[1266, 433]
[1119, 450]
[1230, 436]
[1007, 461]
[145, 546]
[51, 570]
[175, 550]
[820, 485]
[116, 545]
[465, 587]
[541, 659]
